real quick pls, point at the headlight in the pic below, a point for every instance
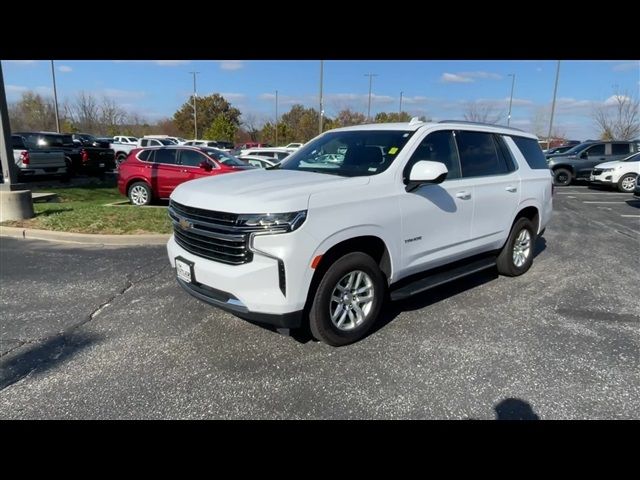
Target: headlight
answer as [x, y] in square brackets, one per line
[607, 170]
[272, 222]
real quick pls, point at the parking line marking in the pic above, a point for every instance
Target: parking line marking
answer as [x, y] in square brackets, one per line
[590, 193]
[604, 202]
[633, 216]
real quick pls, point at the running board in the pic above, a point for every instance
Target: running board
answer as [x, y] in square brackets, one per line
[431, 281]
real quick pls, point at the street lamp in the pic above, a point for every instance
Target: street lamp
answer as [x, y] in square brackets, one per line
[553, 105]
[321, 110]
[55, 96]
[400, 102]
[513, 81]
[195, 108]
[276, 118]
[370, 75]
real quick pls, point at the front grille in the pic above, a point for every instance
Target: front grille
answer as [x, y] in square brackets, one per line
[209, 234]
[596, 172]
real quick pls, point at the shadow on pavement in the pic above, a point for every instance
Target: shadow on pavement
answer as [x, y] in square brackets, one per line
[515, 409]
[43, 356]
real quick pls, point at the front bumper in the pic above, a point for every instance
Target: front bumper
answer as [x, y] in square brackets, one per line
[229, 303]
[602, 179]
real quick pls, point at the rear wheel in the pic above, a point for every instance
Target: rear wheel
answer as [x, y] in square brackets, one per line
[140, 194]
[627, 183]
[348, 300]
[516, 256]
[562, 177]
[120, 158]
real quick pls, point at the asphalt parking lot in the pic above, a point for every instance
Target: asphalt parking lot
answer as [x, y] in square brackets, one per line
[105, 332]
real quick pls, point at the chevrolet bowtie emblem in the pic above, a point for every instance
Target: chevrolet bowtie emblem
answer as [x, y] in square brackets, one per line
[185, 224]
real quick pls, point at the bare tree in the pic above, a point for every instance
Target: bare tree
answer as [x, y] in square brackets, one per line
[112, 117]
[618, 120]
[482, 112]
[85, 113]
[250, 123]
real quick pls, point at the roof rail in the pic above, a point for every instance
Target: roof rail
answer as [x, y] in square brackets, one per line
[415, 120]
[467, 122]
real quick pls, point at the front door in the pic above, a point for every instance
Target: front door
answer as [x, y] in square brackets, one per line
[190, 161]
[436, 219]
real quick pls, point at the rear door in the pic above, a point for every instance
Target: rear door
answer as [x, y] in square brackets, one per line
[167, 174]
[487, 163]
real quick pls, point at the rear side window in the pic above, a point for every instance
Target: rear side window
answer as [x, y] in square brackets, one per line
[620, 148]
[144, 143]
[478, 155]
[531, 152]
[146, 155]
[17, 142]
[166, 155]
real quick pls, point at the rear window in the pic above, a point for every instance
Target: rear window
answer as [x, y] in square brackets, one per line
[620, 148]
[17, 142]
[146, 155]
[531, 152]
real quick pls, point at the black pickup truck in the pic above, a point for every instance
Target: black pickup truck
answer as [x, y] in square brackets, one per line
[84, 154]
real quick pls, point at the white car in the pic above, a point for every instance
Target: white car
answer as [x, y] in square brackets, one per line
[293, 146]
[125, 140]
[257, 161]
[621, 174]
[411, 206]
[277, 154]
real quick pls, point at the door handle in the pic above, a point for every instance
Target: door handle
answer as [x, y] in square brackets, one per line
[463, 195]
[511, 189]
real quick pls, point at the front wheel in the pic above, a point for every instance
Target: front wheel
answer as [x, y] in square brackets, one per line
[348, 300]
[561, 177]
[516, 256]
[627, 183]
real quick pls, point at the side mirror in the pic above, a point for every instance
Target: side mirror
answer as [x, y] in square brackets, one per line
[206, 166]
[584, 155]
[425, 171]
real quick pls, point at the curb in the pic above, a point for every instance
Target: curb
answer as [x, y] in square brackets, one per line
[87, 238]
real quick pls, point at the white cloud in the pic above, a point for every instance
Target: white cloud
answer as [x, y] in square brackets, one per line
[468, 77]
[65, 68]
[235, 97]
[517, 102]
[627, 66]
[21, 62]
[170, 63]
[453, 78]
[231, 65]
[615, 99]
[15, 89]
[42, 90]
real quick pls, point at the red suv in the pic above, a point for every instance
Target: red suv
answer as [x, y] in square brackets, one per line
[152, 173]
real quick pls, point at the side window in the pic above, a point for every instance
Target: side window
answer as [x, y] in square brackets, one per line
[619, 148]
[144, 143]
[440, 147]
[191, 158]
[166, 155]
[531, 152]
[146, 155]
[478, 155]
[504, 153]
[596, 150]
[281, 155]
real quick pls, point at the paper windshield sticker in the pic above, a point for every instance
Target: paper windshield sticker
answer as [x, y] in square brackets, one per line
[393, 150]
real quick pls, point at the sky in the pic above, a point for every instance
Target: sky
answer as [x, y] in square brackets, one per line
[441, 90]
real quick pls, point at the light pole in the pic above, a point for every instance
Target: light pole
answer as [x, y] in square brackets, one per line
[400, 111]
[321, 111]
[553, 105]
[55, 96]
[195, 107]
[513, 81]
[370, 75]
[276, 118]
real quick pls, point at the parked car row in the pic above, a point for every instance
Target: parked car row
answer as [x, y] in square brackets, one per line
[579, 162]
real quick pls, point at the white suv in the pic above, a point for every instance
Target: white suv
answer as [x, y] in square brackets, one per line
[621, 174]
[408, 206]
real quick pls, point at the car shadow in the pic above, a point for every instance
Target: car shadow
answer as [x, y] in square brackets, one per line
[515, 409]
[634, 202]
[40, 357]
[391, 310]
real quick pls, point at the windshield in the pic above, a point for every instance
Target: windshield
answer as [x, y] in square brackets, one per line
[349, 153]
[633, 158]
[224, 158]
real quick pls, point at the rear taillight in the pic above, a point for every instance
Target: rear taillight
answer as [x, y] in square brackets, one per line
[24, 157]
[84, 155]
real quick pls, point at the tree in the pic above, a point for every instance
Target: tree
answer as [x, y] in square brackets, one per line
[112, 117]
[618, 118]
[299, 124]
[384, 117]
[250, 124]
[221, 129]
[482, 112]
[208, 109]
[348, 117]
[32, 112]
[85, 113]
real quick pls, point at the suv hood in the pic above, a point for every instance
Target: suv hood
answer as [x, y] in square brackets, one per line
[612, 164]
[260, 191]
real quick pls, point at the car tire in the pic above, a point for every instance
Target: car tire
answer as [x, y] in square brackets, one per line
[516, 256]
[627, 183]
[139, 194]
[347, 320]
[120, 158]
[562, 177]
